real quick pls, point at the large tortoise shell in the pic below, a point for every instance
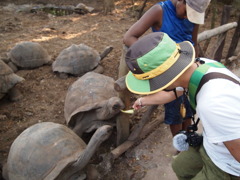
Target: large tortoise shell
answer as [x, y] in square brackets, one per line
[29, 55]
[43, 151]
[76, 60]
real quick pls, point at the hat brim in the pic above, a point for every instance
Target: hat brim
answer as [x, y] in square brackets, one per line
[165, 79]
[194, 16]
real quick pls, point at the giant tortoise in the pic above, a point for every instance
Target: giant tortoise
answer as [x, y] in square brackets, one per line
[8, 80]
[51, 151]
[77, 60]
[91, 102]
[28, 55]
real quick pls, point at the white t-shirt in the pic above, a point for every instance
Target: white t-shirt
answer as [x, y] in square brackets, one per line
[218, 106]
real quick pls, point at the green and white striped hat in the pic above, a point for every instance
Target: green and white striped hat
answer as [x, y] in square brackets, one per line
[155, 62]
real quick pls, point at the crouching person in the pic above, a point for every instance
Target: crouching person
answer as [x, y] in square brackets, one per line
[162, 70]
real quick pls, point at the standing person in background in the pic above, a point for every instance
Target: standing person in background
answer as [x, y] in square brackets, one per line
[180, 19]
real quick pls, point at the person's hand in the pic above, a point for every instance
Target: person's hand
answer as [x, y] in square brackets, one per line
[137, 104]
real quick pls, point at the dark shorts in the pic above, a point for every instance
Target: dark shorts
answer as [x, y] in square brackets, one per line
[172, 111]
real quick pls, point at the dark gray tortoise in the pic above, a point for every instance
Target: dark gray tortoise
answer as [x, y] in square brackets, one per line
[8, 80]
[28, 55]
[51, 151]
[91, 102]
[77, 60]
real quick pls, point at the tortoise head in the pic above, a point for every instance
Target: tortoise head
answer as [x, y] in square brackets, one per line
[110, 108]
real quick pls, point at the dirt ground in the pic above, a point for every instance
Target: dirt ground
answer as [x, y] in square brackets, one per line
[44, 93]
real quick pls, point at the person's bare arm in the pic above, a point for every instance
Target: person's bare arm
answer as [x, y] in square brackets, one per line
[194, 38]
[152, 17]
[158, 98]
[234, 148]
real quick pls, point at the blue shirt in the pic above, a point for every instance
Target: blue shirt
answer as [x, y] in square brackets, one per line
[178, 29]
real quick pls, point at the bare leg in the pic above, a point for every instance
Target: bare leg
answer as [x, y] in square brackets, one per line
[186, 123]
[175, 128]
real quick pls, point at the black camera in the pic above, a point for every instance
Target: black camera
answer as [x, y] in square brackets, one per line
[193, 138]
[184, 139]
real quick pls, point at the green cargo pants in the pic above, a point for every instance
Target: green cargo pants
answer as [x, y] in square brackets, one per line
[195, 164]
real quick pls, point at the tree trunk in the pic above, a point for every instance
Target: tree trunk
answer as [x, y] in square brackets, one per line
[217, 53]
[214, 11]
[123, 119]
[234, 43]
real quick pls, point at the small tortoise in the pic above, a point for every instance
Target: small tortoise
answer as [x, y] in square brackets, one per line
[83, 9]
[51, 151]
[78, 60]
[28, 55]
[91, 102]
[8, 80]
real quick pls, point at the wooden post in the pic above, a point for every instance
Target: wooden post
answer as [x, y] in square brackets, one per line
[213, 19]
[217, 53]
[234, 42]
[120, 84]
[218, 30]
[138, 131]
[123, 119]
[123, 69]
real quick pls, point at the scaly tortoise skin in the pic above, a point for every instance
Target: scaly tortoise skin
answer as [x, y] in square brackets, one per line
[91, 101]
